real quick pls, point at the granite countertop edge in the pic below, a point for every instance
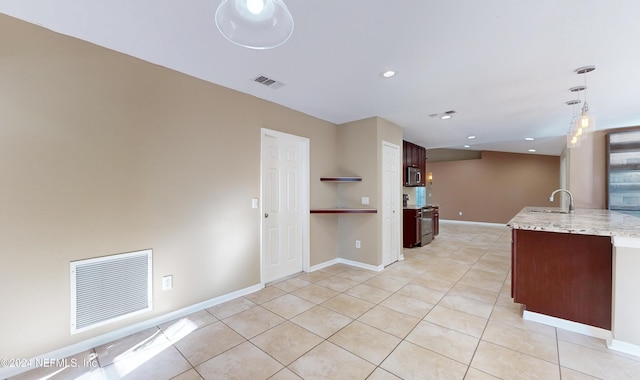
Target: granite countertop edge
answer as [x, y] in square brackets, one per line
[597, 222]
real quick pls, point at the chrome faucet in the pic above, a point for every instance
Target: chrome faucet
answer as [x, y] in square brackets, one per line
[570, 198]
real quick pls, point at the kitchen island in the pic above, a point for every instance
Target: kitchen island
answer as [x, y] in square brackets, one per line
[578, 271]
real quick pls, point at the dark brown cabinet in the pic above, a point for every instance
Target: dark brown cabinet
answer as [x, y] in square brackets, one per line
[563, 275]
[412, 227]
[414, 156]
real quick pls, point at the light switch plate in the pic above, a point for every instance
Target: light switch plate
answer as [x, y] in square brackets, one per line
[365, 200]
[254, 202]
[167, 282]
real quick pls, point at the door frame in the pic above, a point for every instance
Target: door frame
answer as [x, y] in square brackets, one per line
[303, 201]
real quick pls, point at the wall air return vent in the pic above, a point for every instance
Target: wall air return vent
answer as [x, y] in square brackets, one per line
[107, 289]
[269, 82]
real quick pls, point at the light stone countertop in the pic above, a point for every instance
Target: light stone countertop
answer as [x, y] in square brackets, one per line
[582, 221]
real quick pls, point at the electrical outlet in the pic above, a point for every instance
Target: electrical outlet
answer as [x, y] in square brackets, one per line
[357, 243]
[365, 200]
[460, 213]
[167, 282]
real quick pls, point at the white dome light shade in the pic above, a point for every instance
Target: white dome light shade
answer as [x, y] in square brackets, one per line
[255, 24]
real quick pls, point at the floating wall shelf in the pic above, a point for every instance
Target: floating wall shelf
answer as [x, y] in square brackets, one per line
[340, 179]
[339, 210]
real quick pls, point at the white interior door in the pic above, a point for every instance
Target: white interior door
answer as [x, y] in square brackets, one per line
[390, 203]
[283, 205]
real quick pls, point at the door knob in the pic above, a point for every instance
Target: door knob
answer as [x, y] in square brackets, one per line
[266, 215]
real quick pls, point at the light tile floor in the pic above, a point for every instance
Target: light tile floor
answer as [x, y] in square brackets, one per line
[445, 312]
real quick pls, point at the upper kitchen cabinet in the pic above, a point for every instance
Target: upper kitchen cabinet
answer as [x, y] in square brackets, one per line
[414, 156]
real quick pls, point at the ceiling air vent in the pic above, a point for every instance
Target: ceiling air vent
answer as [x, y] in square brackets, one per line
[271, 83]
[443, 115]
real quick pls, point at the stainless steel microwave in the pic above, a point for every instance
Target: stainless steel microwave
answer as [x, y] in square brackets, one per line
[414, 177]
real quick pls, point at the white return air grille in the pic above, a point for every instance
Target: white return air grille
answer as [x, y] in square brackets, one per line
[110, 288]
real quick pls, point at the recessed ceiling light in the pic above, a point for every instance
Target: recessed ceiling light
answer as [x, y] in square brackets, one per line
[532, 150]
[388, 73]
[529, 138]
[471, 137]
[445, 117]
[467, 146]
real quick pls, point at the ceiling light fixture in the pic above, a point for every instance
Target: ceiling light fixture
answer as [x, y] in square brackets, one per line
[254, 24]
[585, 123]
[445, 117]
[531, 144]
[574, 136]
[471, 137]
[467, 146]
[388, 73]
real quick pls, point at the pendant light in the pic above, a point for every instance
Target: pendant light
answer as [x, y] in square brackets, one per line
[575, 134]
[254, 24]
[586, 121]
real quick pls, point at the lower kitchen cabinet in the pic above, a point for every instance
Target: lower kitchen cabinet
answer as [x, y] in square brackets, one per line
[567, 276]
[412, 227]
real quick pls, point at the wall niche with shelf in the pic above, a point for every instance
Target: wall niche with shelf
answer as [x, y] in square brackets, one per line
[342, 210]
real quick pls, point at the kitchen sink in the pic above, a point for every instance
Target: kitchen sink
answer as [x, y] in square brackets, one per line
[549, 211]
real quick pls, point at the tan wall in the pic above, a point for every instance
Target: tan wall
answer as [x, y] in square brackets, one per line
[495, 187]
[358, 156]
[101, 153]
[588, 170]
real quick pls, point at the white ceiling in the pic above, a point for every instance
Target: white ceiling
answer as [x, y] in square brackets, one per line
[505, 66]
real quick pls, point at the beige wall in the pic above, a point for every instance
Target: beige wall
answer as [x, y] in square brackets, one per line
[587, 174]
[360, 154]
[101, 153]
[495, 187]
[358, 157]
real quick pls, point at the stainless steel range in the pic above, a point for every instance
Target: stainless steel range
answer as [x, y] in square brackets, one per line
[426, 218]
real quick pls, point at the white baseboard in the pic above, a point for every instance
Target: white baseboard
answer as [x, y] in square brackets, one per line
[352, 263]
[323, 265]
[579, 328]
[612, 344]
[450, 221]
[90, 343]
[358, 264]
[627, 348]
